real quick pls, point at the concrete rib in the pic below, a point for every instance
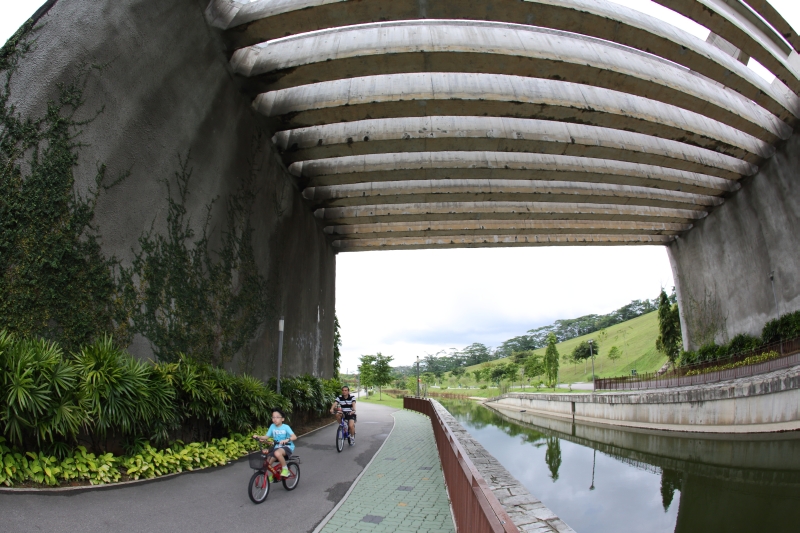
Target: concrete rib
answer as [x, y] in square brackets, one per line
[500, 165]
[505, 135]
[460, 190]
[423, 94]
[771, 15]
[476, 241]
[438, 211]
[736, 24]
[269, 19]
[486, 47]
[499, 227]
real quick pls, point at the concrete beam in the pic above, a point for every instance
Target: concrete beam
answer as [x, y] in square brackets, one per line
[270, 19]
[462, 190]
[502, 227]
[737, 24]
[430, 94]
[490, 47]
[771, 15]
[481, 241]
[500, 165]
[421, 134]
[451, 211]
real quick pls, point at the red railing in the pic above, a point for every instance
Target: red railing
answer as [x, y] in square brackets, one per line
[678, 378]
[476, 508]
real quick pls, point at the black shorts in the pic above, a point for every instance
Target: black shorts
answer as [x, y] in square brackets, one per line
[350, 416]
[287, 452]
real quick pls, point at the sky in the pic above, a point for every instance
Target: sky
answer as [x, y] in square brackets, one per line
[417, 302]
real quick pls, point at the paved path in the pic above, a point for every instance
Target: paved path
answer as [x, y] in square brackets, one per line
[403, 489]
[211, 500]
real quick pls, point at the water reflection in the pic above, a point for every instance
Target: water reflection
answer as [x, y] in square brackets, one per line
[645, 481]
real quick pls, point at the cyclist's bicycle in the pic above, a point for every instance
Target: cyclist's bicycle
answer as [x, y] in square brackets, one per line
[258, 488]
[342, 434]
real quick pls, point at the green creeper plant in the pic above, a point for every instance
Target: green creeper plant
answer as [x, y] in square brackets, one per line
[55, 282]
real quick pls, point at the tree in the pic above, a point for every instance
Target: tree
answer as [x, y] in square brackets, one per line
[381, 372]
[669, 341]
[533, 366]
[497, 373]
[512, 372]
[366, 370]
[551, 360]
[583, 352]
[428, 378]
[614, 353]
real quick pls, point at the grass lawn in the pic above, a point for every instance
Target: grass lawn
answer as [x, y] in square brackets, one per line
[387, 400]
[636, 340]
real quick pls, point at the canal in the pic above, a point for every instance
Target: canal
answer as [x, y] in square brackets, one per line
[611, 480]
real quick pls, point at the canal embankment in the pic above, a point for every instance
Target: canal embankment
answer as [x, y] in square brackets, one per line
[765, 403]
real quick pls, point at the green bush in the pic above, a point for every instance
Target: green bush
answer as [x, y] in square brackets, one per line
[785, 327]
[148, 462]
[51, 401]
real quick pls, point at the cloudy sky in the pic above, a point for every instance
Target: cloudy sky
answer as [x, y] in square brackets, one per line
[409, 303]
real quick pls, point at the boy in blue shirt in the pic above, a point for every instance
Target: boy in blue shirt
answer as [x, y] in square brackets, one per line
[284, 441]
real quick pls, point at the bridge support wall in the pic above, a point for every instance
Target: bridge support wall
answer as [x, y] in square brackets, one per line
[722, 266]
[166, 91]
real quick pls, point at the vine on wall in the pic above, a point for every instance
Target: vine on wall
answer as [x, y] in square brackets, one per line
[186, 298]
[55, 281]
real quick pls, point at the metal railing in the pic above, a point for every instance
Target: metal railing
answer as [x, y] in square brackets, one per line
[475, 508]
[678, 377]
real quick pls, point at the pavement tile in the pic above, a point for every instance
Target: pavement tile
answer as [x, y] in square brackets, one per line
[393, 489]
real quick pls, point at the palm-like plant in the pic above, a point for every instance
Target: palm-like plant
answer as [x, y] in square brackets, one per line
[40, 402]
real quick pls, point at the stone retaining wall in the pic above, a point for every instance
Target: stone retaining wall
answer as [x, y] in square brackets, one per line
[765, 403]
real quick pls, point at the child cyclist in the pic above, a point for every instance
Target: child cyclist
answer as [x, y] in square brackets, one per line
[284, 439]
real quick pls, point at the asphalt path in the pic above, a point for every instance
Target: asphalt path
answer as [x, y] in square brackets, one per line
[213, 500]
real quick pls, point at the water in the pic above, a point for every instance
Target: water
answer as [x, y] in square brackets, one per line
[609, 480]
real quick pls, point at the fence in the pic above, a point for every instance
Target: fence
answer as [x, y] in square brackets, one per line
[476, 508]
[790, 350]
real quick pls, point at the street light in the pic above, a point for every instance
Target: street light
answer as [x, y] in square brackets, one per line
[280, 352]
[417, 376]
[591, 354]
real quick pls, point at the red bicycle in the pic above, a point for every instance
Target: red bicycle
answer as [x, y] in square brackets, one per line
[258, 488]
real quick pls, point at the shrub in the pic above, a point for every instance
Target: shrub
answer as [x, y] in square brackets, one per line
[785, 327]
[52, 401]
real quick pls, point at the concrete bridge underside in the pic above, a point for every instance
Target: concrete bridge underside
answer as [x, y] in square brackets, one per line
[408, 124]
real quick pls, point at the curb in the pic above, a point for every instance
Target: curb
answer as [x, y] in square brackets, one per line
[336, 507]
[123, 484]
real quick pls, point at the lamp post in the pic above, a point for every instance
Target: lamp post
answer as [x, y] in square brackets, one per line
[417, 376]
[594, 457]
[280, 351]
[591, 354]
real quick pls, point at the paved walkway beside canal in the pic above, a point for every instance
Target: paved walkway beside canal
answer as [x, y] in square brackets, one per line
[402, 489]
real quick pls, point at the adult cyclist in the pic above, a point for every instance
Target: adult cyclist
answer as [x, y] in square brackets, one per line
[347, 409]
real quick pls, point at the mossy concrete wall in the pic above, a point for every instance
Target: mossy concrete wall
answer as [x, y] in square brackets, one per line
[722, 265]
[166, 91]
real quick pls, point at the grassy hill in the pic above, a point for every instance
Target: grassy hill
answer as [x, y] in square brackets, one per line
[635, 338]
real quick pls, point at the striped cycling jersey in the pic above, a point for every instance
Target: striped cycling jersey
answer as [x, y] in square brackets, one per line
[346, 403]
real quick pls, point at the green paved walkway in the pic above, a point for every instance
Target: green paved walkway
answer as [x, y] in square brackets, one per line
[403, 489]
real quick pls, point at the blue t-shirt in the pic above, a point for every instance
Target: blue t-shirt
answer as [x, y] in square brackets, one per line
[281, 433]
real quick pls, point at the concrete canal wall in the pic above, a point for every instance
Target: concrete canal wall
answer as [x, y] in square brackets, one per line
[759, 404]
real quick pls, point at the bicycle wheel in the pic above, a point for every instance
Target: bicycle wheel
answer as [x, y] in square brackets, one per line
[289, 483]
[258, 489]
[339, 439]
